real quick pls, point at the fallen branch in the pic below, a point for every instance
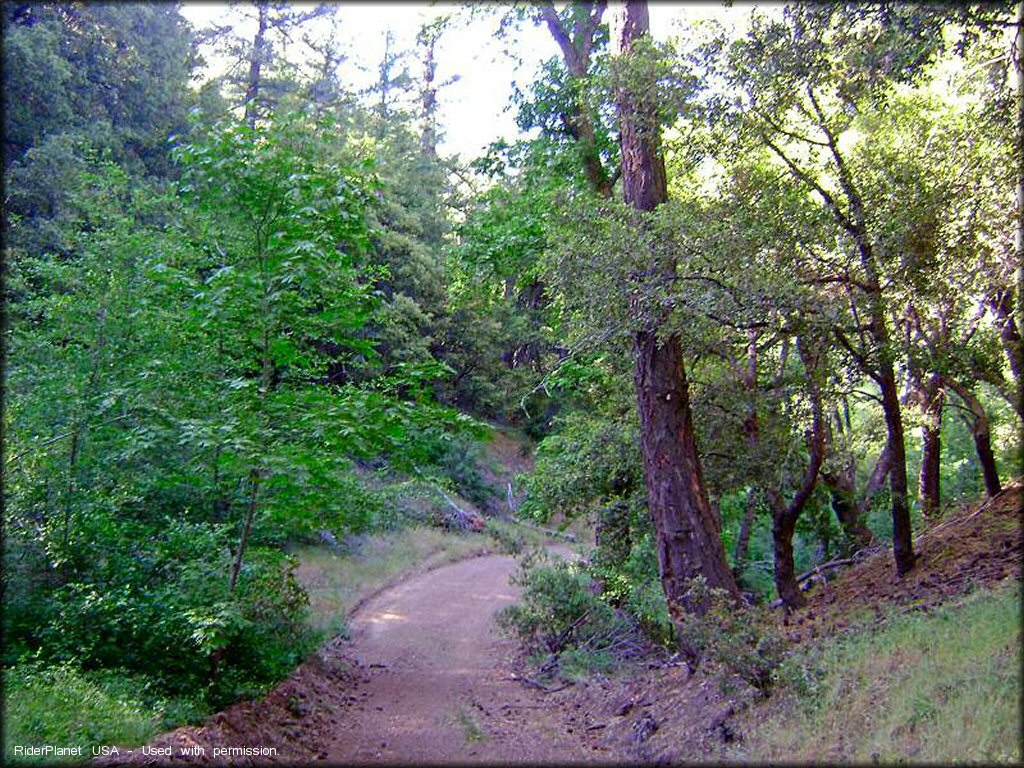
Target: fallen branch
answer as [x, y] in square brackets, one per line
[981, 508]
[540, 686]
[829, 566]
[548, 531]
[458, 517]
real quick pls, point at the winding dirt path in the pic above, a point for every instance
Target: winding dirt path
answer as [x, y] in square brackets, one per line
[440, 686]
[425, 678]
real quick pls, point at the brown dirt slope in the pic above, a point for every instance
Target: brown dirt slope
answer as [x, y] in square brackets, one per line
[664, 714]
[977, 547]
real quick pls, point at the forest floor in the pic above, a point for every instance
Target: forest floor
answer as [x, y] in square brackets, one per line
[426, 678]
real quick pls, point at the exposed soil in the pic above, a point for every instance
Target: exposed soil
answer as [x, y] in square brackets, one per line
[427, 679]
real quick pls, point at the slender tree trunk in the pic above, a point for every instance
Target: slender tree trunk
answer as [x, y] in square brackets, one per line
[981, 432]
[743, 539]
[902, 534]
[751, 431]
[243, 541]
[688, 537]
[1013, 347]
[252, 90]
[784, 517]
[931, 396]
[576, 45]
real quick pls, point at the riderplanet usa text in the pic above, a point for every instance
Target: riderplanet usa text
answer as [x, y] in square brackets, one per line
[49, 749]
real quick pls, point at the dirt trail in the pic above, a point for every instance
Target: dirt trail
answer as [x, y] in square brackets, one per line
[425, 678]
[440, 687]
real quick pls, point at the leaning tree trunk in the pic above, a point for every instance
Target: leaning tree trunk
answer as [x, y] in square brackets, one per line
[842, 490]
[981, 431]
[688, 537]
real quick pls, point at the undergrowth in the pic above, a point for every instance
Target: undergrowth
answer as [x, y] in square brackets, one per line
[744, 643]
[562, 621]
[62, 706]
[942, 686]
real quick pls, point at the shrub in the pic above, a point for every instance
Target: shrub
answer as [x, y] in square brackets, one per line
[62, 706]
[633, 585]
[742, 643]
[161, 606]
[560, 611]
[510, 539]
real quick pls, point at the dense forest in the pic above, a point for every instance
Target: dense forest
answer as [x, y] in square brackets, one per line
[752, 292]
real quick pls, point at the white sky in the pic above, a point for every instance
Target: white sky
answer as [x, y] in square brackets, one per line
[474, 110]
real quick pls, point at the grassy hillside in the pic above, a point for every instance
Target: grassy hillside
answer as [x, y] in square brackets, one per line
[942, 686]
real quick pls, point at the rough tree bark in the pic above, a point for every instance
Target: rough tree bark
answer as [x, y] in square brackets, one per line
[688, 536]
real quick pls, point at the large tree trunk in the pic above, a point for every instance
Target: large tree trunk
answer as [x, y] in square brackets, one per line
[931, 396]
[688, 537]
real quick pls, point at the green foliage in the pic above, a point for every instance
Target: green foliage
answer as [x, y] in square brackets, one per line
[588, 462]
[561, 611]
[60, 705]
[632, 584]
[742, 643]
[117, 74]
